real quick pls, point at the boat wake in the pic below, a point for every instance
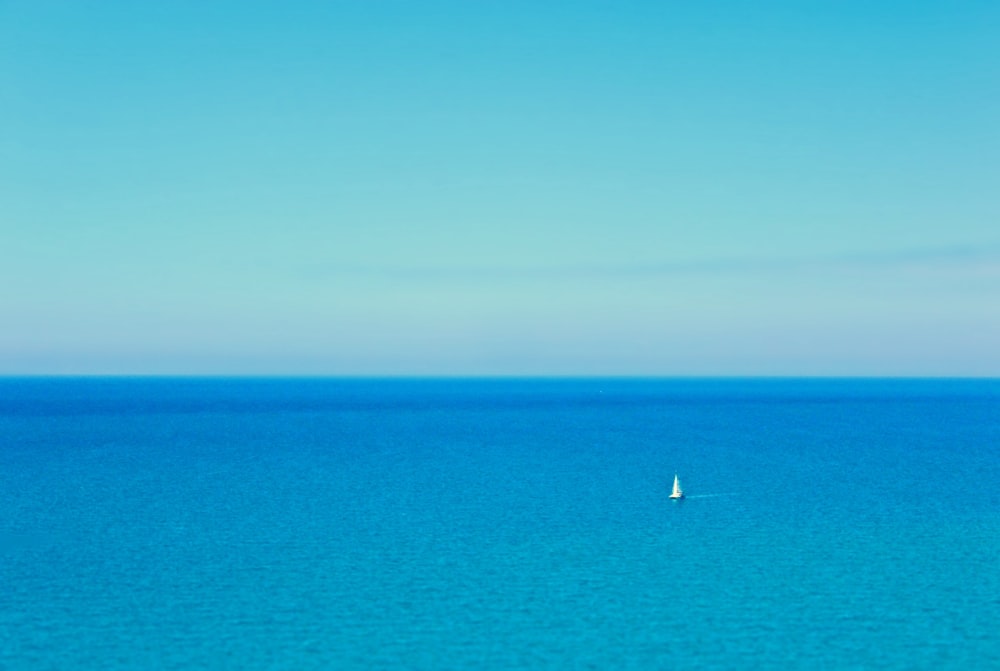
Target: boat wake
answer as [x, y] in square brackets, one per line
[709, 496]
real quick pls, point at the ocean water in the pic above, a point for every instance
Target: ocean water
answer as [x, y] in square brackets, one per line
[499, 524]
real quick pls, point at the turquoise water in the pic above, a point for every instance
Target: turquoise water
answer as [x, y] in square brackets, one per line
[498, 524]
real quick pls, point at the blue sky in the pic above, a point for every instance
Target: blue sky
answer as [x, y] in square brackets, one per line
[516, 188]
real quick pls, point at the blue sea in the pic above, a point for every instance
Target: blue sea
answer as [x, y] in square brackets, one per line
[499, 524]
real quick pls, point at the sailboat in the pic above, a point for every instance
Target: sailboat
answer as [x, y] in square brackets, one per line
[677, 492]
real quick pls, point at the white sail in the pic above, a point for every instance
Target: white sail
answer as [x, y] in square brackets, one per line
[677, 492]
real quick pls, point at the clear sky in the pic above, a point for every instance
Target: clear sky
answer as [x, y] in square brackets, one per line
[517, 188]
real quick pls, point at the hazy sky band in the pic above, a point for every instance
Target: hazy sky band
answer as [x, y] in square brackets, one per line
[958, 259]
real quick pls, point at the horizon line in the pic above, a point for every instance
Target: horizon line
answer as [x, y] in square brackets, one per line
[495, 376]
